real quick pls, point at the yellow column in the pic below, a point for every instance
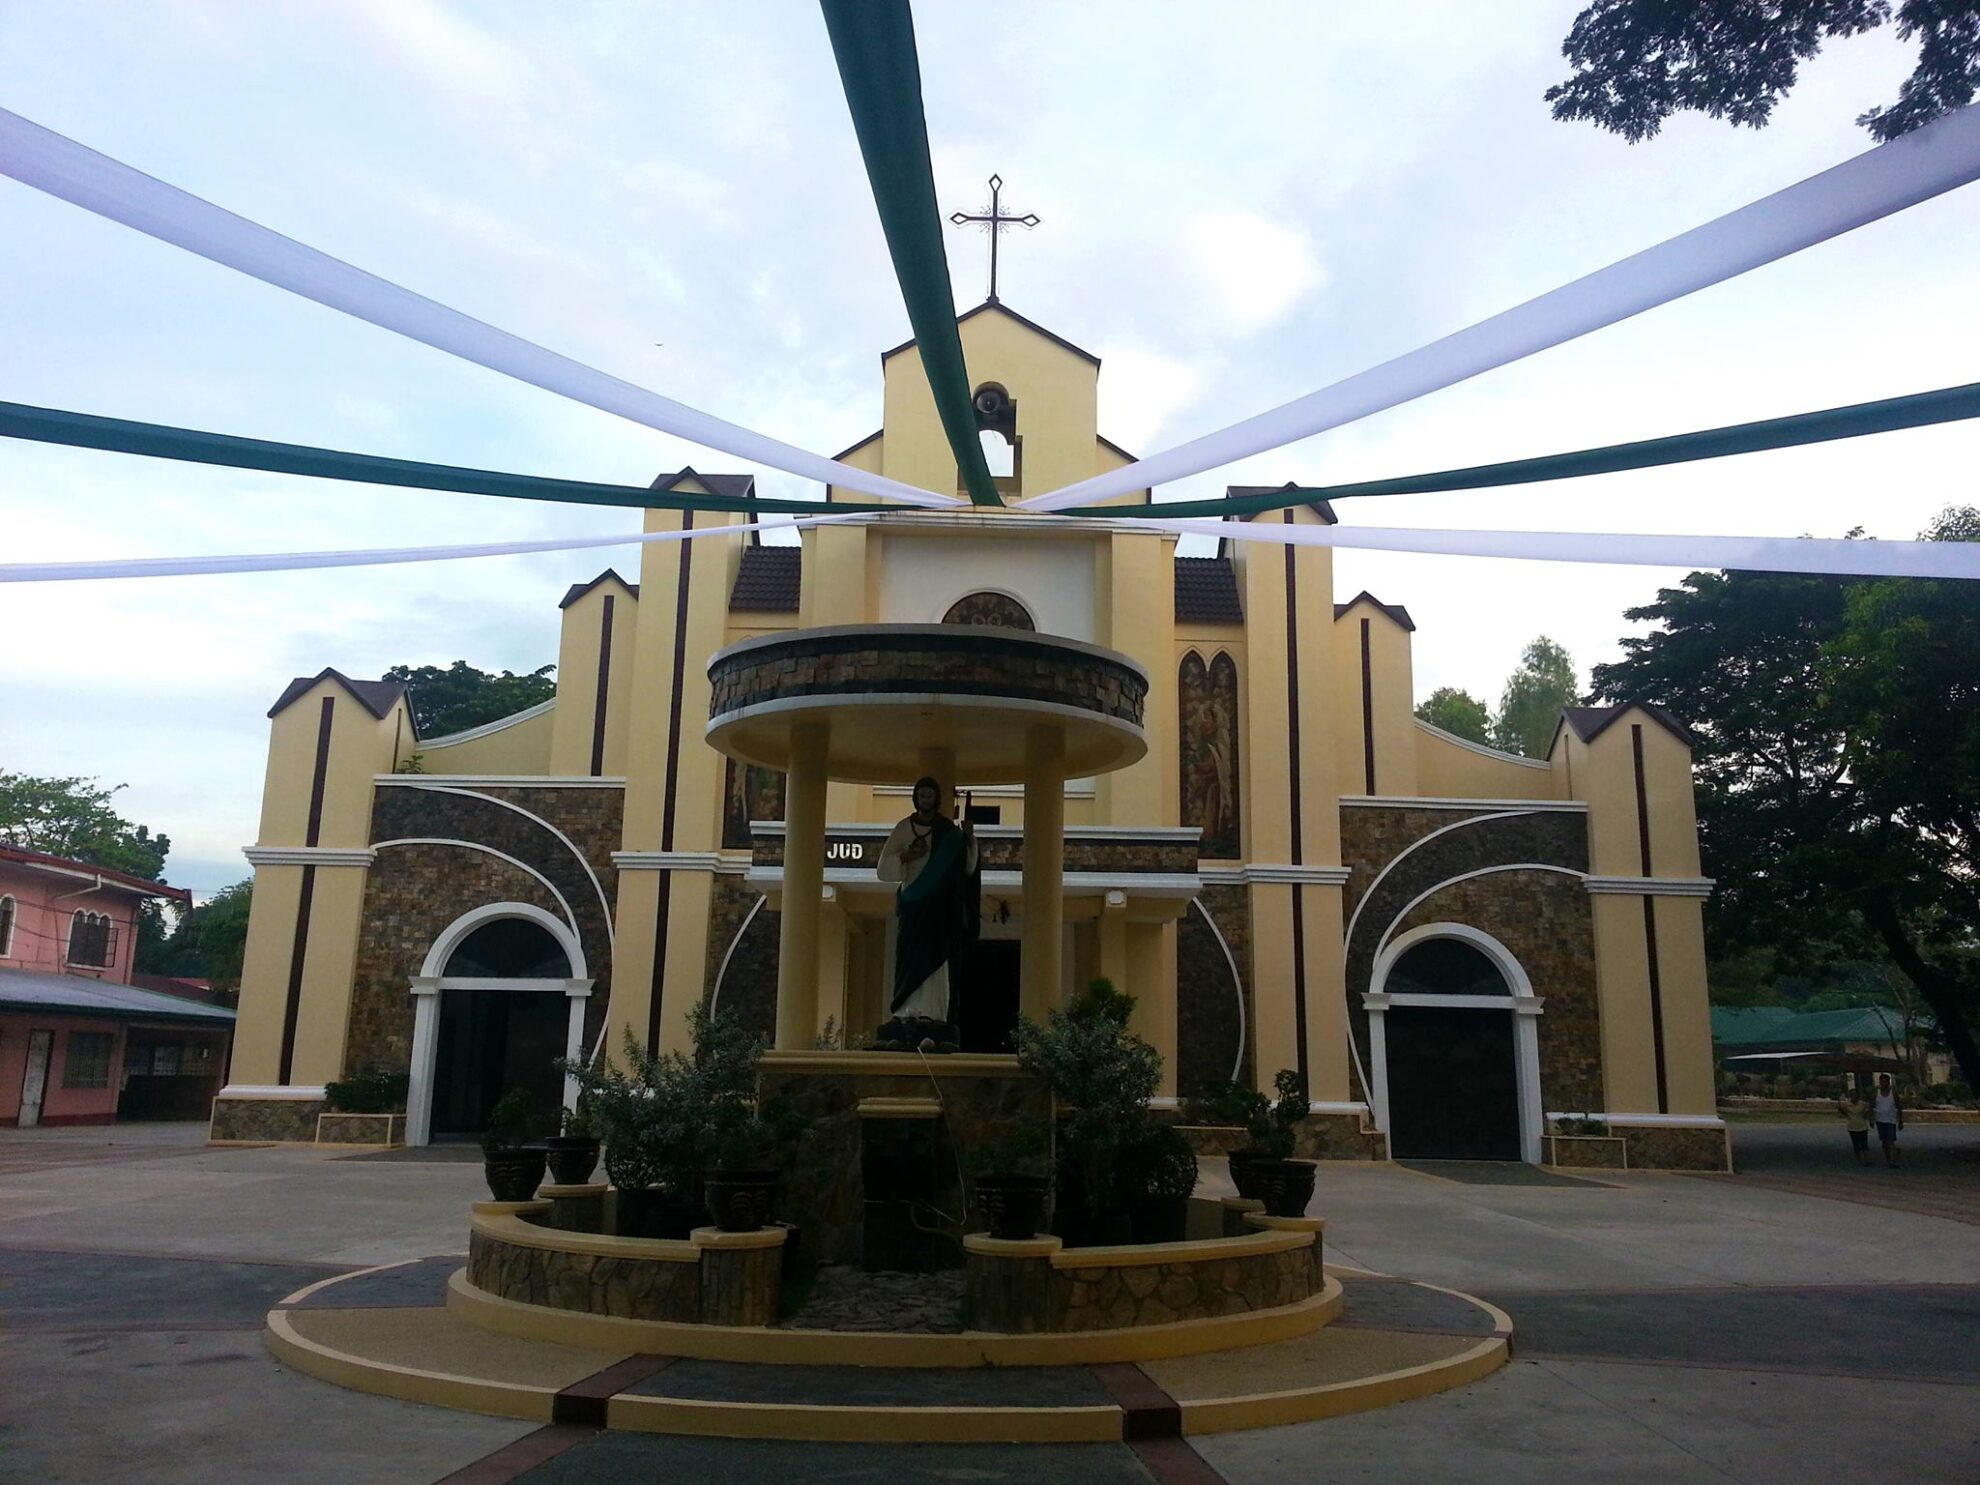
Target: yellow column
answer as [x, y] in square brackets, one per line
[804, 877]
[1113, 943]
[1043, 871]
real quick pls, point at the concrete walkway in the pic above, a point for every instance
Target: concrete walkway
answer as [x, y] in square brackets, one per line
[1706, 1328]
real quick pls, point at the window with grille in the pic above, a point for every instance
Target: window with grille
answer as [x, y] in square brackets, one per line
[88, 1062]
[6, 927]
[92, 940]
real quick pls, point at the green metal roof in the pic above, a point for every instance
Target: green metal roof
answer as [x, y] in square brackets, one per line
[1754, 1028]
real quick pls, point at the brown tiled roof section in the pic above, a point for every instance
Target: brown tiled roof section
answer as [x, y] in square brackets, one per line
[1590, 722]
[1394, 610]
[1207, 591]
[578, 590]
[767, 580]
[375, 697]
[17, 856]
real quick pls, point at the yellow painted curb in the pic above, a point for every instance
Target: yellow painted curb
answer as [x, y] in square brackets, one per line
[1031, 1247]
[1197, 1250]
[1335, 1399]
[714, 1237]
[787, 1347]
[505, 1227]
[877, 1423]
[308, 1289]
[411, 1384]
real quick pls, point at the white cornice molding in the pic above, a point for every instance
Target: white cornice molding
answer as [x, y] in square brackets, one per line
[501, 780]
[309, 855]
[1650, 886]
[1479, 748]
[1143, 884]
[668, 860]
[1647, 1121]
[880, 829]
[1429, 802]
[1286, 872]
[469, 734]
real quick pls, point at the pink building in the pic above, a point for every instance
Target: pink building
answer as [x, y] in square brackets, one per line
[78, 1043]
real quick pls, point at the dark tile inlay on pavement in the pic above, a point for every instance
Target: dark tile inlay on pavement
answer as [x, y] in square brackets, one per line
[1923, 1332]
[66, 1291]
[880, 1386]
[617, 1458]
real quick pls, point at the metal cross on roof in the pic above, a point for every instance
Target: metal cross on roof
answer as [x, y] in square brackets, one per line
[994, 221]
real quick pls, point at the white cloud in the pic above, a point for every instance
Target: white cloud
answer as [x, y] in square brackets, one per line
[1258, 269]
[1139, 391]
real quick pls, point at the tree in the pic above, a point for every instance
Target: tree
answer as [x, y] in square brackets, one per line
[1639, 61]
[458, 696]
[1457, 712]
[1838, 736]
[71, 817]
[1531, 704]
[209, 941]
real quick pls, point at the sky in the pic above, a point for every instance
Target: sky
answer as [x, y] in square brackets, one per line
[1240, 204]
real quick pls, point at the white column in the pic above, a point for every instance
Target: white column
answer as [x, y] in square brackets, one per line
[1040, 971]
[1378, 1059]
[804, 877]
[579, 994]
[425, 1051]
[1526, 1055]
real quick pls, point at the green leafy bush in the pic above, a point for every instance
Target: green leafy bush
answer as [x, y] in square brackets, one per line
[1102, 1076]
[368, 1091]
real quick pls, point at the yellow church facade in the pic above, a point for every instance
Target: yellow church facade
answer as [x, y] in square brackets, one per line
[1458, 948]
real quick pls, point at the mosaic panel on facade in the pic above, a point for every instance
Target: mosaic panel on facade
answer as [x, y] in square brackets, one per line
[1207, 713]
[1212, 1006]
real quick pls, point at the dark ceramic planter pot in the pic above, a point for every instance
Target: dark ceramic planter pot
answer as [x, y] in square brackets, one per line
[1014, 1206]
[572, 1158]
[1160, 1219]
[1242, 1163]
[1285, 1186]
[740, 1200]
[513, 1175]
[652, 1212]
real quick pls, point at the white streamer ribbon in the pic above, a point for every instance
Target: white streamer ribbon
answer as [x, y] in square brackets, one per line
[1911, 169]
[51, 162]
[1925, 559]
[143, 567]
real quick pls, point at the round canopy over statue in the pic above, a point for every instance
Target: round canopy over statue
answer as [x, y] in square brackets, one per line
[886, 694]
[886, 703]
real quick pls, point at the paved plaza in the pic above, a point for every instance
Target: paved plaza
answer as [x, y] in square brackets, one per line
[1804, 1320]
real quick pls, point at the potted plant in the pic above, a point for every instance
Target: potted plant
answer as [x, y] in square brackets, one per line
[750, 1146]
[1232, 1105]
[512, 1165]
[1164, 1167]
[574, 1153]
[1010, 1182]
[653, 1122]
[1284, 1184]
[1101, 1077]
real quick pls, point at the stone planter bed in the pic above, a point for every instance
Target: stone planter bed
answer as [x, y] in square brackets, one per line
[386, 1130]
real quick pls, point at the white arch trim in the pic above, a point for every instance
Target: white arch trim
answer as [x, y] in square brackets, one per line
[1524, 1006]
[1244, 1030]
[721, 974]
[521, 866]
[1347, 936]
[1466, 876]
[428, 985]
[604, 906]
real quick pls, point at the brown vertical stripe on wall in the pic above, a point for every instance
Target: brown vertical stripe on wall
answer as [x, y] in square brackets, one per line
[672, 796]
[1367, 709]
[1649, 920]
[604, 690]
[312, 835]
[1295, 809]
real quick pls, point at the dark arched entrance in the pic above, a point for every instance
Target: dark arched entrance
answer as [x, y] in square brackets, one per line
[1453, 1075]
[493, 1038]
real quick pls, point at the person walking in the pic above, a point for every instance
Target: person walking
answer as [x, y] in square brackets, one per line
[1856, 1119]
[1889, 1114]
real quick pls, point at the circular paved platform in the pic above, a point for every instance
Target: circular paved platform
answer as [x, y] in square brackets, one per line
[396, 1331]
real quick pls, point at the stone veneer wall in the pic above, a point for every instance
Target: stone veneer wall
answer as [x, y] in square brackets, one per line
[960, 661]
[413, 892]
[1542, 917]
[1212, 1010]
[748, 988]
[590, 1283]
[1676, 1149]
[1027, 1295]
[266, 1120]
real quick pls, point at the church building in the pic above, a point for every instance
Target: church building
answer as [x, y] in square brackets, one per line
[1459, 948]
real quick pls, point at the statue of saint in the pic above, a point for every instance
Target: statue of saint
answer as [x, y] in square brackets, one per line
[938, 910]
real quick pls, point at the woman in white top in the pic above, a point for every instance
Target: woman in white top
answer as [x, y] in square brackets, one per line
[1888, 1115]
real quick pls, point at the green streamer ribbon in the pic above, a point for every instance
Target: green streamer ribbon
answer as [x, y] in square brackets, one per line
[157, 441]
[873, 41]
[1917, 410]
